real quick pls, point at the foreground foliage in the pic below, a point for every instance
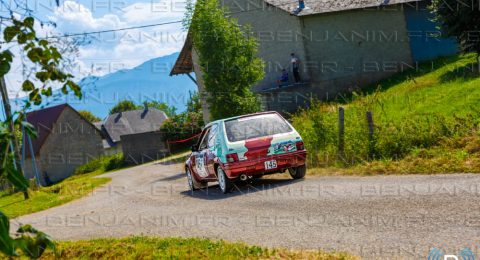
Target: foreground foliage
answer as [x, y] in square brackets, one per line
[177, 248]
[419, 116]
[46, 72]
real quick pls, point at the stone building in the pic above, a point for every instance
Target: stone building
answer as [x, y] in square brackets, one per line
[342, 45]
[65, 141]
[136, 134]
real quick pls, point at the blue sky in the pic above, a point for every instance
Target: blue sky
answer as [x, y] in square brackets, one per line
[109, 52]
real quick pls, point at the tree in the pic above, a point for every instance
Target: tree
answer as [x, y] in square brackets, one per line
[89, 116]
[459, 20]
[228, 58]
[46, 63]
[186, 124]
[170, 111]
[128, 105]
[123, 106]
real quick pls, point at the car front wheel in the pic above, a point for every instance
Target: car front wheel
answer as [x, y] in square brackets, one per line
[223, 181]
[298, 172]
[192, 183]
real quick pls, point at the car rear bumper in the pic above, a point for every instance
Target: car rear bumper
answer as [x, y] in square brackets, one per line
[257, 166]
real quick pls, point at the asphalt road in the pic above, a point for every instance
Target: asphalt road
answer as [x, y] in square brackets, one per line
[374, 217]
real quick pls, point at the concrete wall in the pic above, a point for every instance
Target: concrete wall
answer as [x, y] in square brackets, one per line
[201, 86]
[339, 51]
[144, 147]
[352, 49]
[72, 142]
[426, 40]
[278, 34]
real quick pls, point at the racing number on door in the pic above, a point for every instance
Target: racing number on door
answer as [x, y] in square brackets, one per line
[200, 165]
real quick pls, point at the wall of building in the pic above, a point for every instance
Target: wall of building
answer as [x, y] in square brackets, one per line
[144, 147]
[201, 86]
[72, 142]
[426, 41]
[353, 49]
[277, 32]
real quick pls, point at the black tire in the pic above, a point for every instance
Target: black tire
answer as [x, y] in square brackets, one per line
[192, 183]
[298, 172]
[224, 182]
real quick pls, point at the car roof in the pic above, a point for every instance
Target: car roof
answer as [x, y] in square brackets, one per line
[242, 116]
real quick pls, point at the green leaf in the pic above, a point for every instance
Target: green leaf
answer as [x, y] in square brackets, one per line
[13, 175]
[10, 32]
[42, 75]
[27, 85]
[75, 88]
[35, 54]
[22, 38]
[35, 97]
[33, 242]
[7, 55]
[4, 68]
[47, 92]
[43, 43]
[29, 129]
[29, 22]
[7, 245]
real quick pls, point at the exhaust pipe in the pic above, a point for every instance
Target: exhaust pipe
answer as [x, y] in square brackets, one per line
[243, 177]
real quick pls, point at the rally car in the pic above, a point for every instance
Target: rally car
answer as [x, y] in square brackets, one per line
[245, 147]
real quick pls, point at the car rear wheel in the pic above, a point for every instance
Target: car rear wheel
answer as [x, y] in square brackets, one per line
[298, 172]
[194, 184]
[223, 181]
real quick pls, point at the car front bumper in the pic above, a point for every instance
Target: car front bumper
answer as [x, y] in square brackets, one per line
[257, 166]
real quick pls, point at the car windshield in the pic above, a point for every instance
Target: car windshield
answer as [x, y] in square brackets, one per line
[255, 126]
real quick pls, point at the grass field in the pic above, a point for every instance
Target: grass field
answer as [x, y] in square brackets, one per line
[13, 205]
[425, 121]
[177, 248]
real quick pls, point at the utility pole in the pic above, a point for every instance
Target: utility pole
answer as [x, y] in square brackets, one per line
[8, 113]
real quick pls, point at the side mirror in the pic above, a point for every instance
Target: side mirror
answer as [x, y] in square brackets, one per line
[194, 148]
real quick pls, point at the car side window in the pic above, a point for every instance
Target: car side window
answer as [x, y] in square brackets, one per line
[204, 142]
[212, 136]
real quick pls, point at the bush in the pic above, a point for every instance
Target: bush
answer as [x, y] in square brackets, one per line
[102, 164]
[393, 138]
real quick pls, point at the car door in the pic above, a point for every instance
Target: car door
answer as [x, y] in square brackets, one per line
[211, 152]
[200, 166]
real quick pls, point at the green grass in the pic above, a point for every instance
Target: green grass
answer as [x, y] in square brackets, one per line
[177, 248]
[420, 116]
[13, 205]
[102, 164]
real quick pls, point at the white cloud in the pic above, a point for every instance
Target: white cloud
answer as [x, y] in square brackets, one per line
[73, 17]
[109, 52]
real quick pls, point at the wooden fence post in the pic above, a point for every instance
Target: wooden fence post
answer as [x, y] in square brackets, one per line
[341, 131]
[371, 130]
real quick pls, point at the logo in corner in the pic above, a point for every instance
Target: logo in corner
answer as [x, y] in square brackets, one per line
[437, 254]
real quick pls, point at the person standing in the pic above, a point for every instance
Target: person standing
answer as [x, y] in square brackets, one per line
[295, 67]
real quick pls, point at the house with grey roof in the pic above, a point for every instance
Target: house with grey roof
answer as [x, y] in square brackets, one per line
[342, 45]
[135, 133]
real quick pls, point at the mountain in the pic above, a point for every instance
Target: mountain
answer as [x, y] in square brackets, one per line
[148, 81]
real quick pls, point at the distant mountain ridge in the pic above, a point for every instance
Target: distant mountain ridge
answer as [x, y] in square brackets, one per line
[148, 81]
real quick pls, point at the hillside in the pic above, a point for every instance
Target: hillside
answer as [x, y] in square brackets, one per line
[148, 81]
[425, 120]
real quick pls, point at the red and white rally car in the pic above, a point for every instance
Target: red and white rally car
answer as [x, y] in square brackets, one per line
[244, 147]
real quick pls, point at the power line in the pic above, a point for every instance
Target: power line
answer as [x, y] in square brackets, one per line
[150, 25]
[112, 30]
